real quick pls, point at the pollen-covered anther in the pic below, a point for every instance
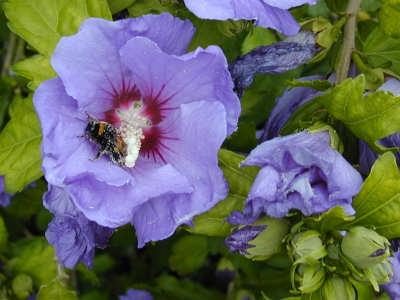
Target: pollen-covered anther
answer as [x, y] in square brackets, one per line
[131, 129]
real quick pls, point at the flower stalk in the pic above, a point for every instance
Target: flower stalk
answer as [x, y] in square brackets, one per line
[343, 65]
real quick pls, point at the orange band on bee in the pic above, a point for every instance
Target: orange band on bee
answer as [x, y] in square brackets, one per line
[102, 128]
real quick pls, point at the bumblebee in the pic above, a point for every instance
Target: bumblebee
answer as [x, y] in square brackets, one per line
[108, 139]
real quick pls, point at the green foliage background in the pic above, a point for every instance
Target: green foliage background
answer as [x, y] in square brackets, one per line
[192, 264]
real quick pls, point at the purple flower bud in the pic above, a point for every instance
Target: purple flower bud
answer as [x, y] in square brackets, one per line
[272, 59]
[73, 236]
[239, 240]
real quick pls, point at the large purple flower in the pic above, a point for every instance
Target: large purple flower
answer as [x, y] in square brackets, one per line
[299, 171]
[73, 236]
[172, 111]
[266, 13]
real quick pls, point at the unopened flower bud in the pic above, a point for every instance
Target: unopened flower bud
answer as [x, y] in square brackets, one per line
[22, 286]
[310, 278]
[308, 247]
[382, 272]
[364, 247]
[338, 288]
[269, 241]
[260, 240]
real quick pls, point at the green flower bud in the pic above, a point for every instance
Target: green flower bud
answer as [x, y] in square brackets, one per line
[338, 288]
[22, 286]
[364, 247]
[269, 241]
[308, 247]
[379, 274]
[382, 272]
[310, 278]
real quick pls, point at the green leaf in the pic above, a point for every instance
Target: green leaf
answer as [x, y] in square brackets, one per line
[172, 288]
[27, 203]
[382, 51]
[213, 222]
[34, 257]
[333, 219]
[3, 235]
[389, 16]
[258, 36]
[36, 68]
[370, 117]
[327, 34]
[259, 99]
[228, 35]
[239, 179]
[20, 159]
[142, 7]
[319, 85]
[118, 5]
[370, 5]
[188, 254]
[243, 139]
[337, 5]
[43, 22]
[56, 290]
[378, 203]
[304, 117]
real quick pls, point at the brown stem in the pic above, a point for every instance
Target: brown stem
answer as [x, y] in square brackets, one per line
[9, 54]
[349, 43]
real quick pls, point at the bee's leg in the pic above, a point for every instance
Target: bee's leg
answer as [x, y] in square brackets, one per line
[99, 155]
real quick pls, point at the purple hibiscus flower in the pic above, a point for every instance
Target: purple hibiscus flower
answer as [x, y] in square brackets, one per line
[136, 295]
[266, 13]
[393, 287]
[172, 112]
[73, 236]
[367, 155]
[300, 171]
[4, 197]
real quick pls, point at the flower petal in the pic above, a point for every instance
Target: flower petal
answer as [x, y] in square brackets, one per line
[199, 76]
[73, 236]
[265, 15]
[113, 206]
[286, 4]
[66, 153]
[89, 64]
[195, 123]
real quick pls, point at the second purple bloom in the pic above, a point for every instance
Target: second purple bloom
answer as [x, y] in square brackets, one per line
[299, 171]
